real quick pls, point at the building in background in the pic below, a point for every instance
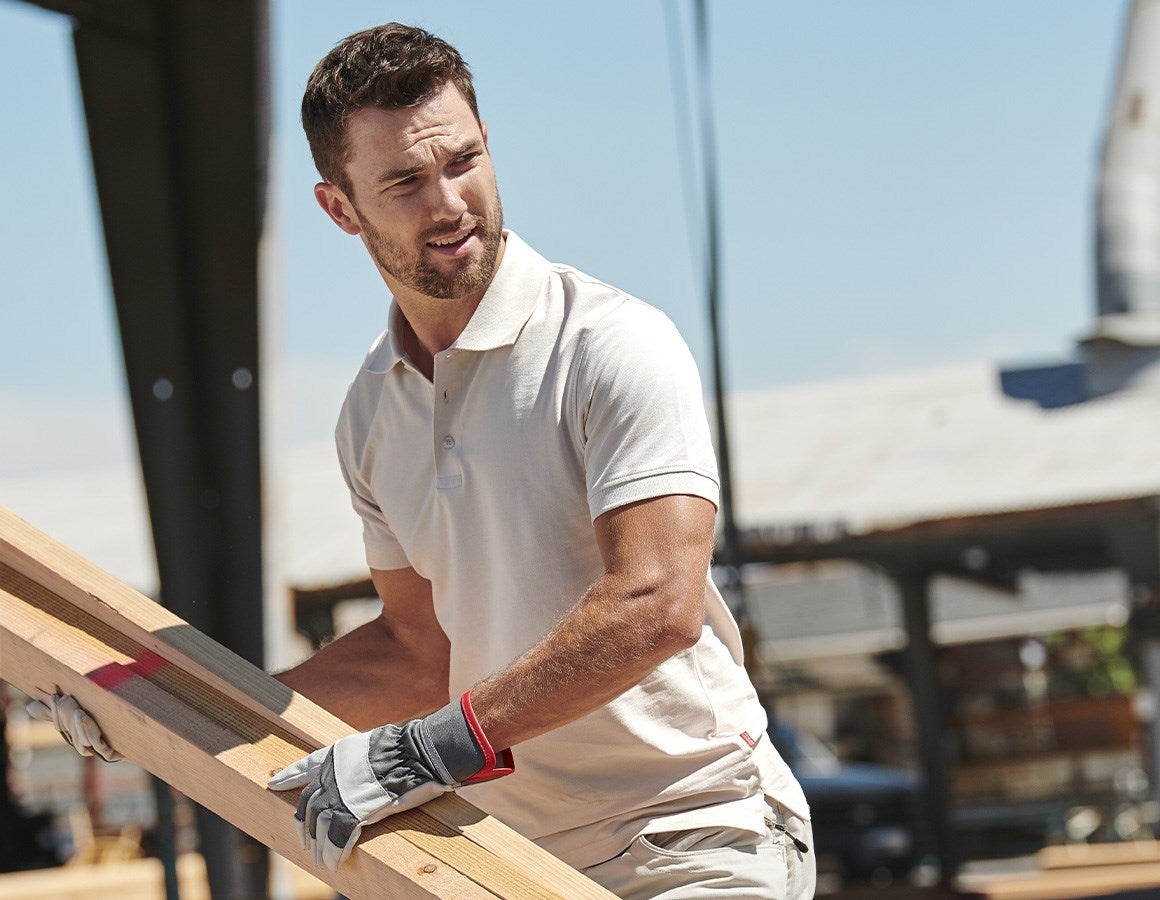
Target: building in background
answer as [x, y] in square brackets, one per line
[1010, 515]
[968, 560]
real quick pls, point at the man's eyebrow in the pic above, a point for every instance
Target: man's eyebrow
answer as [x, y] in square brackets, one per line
[398, 174]
[392, 175]
[467, 146]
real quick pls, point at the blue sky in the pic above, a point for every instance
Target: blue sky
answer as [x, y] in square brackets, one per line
[904, 184]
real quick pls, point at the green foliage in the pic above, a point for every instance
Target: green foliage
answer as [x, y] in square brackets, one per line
[1089, 662]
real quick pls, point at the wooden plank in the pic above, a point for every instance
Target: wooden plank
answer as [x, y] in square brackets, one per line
[194, 739]
[1063, 884]
[214, 726]
[1067, 856]
[133, 879]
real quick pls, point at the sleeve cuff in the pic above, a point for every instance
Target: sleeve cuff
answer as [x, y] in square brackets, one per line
[649, 486]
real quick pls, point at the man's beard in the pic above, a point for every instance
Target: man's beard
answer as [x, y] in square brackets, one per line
[412, 269]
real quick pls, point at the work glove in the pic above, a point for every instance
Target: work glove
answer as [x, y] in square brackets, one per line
[368, 776]
[75, 725]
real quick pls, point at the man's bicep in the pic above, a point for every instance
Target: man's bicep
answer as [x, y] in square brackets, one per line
[656, 552]
[670, 535]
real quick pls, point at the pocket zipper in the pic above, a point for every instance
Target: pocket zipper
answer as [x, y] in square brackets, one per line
[802, 846]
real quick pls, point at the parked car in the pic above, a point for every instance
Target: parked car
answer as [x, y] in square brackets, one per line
[865, 817]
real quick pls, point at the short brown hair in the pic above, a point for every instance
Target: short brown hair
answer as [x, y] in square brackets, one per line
[390, 66]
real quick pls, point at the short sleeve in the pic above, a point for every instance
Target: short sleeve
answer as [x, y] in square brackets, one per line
[645, 432]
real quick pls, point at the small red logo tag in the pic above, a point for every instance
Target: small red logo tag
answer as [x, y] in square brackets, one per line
[750, 741]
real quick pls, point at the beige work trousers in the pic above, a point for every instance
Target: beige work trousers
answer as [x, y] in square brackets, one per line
[716, 862]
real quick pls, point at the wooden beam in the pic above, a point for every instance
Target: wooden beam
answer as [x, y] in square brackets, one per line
[213, 726]
[1122, 879]
[1120, 853]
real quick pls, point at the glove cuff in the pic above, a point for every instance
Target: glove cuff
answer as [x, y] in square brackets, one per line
[457, 748]
[493, 766]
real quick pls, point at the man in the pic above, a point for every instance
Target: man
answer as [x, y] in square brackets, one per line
[528, 451]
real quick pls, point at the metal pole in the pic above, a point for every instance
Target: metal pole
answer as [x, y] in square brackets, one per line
[921, 656]
[731, 557]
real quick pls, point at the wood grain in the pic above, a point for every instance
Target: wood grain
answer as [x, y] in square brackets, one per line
[214, 726]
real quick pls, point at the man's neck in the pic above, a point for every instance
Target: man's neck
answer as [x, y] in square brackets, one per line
[431, 327]
[430, 324]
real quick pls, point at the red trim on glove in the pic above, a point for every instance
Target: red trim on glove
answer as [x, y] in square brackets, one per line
[490, 768]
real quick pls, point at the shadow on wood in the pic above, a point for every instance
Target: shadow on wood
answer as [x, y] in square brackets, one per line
[215, 727]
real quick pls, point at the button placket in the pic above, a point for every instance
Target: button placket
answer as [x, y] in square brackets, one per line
[448, 472]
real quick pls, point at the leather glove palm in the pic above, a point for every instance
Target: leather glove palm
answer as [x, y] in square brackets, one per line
[365, 777]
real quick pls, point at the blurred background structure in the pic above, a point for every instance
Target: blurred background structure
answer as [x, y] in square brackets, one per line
[180, 168]
[951, 571]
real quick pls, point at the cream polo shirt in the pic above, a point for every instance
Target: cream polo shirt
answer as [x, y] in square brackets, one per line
[562, 399]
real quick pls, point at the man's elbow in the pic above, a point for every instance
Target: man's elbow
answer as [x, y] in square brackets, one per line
[680, 620]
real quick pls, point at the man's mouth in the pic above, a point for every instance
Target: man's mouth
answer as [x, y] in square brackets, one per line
[452, 242]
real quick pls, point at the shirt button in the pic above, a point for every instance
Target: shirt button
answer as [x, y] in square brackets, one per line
[448, 442]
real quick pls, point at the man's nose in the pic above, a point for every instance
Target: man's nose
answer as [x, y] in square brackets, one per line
[447, 203]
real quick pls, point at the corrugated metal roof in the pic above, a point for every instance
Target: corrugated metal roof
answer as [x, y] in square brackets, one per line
[876, 453]
[866, 454]
[838, 607]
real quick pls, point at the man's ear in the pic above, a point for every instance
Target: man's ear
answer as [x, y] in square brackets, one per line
[336, 205]
[483, 129]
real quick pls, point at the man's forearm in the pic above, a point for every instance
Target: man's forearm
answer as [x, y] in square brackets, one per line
[648, 606]
[368, 677]
[609, 642]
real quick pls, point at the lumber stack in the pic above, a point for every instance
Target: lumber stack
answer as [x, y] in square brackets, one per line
[132, 879]
[1073, 872]
[213, 726]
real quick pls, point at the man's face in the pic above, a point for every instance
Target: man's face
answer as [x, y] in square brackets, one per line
[424, 195]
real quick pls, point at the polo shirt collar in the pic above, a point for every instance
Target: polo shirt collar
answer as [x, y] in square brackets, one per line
[505, 308]
[388, 353]
[509, 300]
